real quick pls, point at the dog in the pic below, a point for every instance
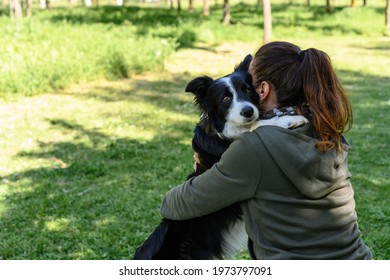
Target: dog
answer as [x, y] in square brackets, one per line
[228, 108]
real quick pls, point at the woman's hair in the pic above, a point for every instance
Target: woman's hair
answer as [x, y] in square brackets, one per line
[302, 78]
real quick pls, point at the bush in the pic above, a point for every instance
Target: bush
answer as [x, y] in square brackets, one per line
[186, 39]
[38, 56]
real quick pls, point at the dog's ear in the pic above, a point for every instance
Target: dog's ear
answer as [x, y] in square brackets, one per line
[199, 85]
[244, 65]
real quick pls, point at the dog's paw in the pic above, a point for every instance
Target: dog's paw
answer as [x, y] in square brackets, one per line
[288, 122]
[291, 122]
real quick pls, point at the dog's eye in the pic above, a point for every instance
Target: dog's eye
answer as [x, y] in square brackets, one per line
[226, 99]
[246, 89]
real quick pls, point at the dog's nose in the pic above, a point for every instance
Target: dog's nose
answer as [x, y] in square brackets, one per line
[247, 112]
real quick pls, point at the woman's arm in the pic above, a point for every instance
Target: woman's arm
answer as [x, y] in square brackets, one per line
[233, 179]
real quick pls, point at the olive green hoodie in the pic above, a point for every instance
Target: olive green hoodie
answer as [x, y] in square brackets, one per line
[298, 203]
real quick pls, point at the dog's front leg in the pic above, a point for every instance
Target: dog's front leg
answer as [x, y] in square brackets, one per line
[288, 122]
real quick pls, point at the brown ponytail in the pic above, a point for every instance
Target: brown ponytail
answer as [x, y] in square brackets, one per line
[329, 104]
[306, 77]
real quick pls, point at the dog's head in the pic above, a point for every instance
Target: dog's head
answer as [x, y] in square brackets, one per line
[228, 104]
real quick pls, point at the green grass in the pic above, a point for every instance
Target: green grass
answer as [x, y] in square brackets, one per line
[369, 84]
[59, 47]
[83, 171]
[82, 174]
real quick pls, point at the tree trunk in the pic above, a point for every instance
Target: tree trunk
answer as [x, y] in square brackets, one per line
[16, 9]
[42, 4]
[353, 3]
[267, 21]
[191, 6]
[388, 17]
[29, 8]
[206, 8]
[226, 12]
[307, 2]
[327, 6]
[179, 5]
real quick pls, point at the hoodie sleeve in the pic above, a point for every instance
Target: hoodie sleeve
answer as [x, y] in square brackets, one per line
[233, 179]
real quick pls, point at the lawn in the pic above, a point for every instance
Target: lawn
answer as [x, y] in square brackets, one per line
[83, 169]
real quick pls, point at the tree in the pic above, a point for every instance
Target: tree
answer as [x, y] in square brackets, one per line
[16, 8]
[388, 17]
[206, 8]
[267, 21]
[178, 4]
[226, 12]
[327, 6]
[43, 4]
[29, 8]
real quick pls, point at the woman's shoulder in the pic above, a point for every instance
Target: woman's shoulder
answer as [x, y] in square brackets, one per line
[305, 132]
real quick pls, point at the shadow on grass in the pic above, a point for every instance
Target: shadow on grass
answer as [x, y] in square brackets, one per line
[98, 199]
[98, 195]
[142, 16]
[382, 46]
[165, 93]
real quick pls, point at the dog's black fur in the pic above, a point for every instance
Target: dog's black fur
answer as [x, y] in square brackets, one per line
[204, 237]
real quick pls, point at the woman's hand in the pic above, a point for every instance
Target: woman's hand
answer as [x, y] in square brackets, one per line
[196, 161]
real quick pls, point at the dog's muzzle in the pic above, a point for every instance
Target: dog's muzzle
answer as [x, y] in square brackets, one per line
[247, 112]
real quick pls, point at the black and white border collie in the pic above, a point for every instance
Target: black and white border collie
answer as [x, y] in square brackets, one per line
[228, 108]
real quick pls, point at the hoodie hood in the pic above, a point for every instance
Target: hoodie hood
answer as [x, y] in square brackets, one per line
[315, 174]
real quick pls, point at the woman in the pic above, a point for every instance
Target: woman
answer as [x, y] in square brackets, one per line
[293, 185]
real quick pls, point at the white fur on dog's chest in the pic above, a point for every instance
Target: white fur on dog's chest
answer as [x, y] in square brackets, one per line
[231, 130]
[234, 240]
